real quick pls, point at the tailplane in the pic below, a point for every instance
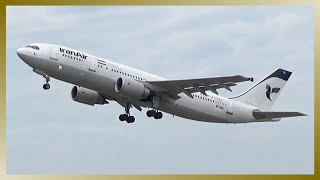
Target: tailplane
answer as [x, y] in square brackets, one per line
[265, 93]
[275, 115]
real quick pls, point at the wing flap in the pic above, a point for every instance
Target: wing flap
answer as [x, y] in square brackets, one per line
[271, 115]
[212, 88]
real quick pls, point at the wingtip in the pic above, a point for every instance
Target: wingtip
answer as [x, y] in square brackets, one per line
[248, 78]
[301, 114]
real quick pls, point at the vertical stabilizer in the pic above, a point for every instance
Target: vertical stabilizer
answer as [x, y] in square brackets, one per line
[265, 93]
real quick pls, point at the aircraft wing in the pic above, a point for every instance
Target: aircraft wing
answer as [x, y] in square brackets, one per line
[270, 114]
[188, 86]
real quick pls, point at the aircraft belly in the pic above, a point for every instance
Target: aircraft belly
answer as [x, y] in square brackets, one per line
[191, 110]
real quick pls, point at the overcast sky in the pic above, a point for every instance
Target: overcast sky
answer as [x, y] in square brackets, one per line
[47, 132]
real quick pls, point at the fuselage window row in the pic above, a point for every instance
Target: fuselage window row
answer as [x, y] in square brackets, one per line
[100, 66]
[129, 75]
[201, 97]
[71, 57]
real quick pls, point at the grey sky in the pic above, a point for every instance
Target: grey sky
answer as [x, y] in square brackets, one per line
[47, 132]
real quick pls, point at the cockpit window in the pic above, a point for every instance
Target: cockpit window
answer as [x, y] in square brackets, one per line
[33, 47]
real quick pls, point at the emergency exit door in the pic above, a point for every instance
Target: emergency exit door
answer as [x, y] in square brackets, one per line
[230, 108]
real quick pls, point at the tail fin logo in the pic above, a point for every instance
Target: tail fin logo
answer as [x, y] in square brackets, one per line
[270, 91]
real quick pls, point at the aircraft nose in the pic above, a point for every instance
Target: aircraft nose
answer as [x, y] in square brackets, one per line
[19, 52]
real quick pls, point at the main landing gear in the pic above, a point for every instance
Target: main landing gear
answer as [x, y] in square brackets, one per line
[126, 116]
[46, 86]
[154, 113]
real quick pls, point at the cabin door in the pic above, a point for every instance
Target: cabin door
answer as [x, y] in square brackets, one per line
[93, 64]
[54, 53]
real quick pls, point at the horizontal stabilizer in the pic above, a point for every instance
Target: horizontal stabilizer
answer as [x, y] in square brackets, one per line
[271, 115]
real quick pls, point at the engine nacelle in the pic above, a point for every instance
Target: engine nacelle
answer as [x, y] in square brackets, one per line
[131, 88]
[86, 96]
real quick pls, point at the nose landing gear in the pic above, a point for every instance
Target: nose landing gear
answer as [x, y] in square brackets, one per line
[46, 86]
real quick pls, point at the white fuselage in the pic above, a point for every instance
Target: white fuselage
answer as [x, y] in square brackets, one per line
[100, 75]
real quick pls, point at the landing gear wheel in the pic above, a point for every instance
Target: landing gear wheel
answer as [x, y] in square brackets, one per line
[123, 117]
[158, 115]
[126, 117]
[151, 113]
[130, 119]
[46, 86]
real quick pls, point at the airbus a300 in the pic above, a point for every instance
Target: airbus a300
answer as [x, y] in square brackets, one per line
[99, 81]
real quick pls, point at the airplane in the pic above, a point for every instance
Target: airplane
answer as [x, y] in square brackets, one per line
[98, 81]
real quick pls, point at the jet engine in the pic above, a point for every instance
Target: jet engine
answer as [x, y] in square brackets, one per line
[86, 96]
[131, 88]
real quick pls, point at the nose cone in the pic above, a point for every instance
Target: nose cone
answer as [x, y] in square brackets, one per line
[19, 52]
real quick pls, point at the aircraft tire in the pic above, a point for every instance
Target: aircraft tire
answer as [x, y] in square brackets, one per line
[123, 117]
[46, 86]
[130, 119]
[158, 115]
